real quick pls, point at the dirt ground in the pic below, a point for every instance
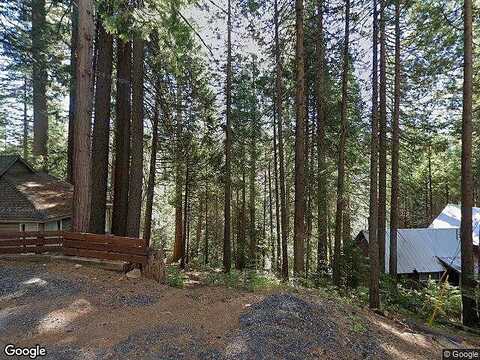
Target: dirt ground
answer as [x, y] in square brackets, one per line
[87, 313]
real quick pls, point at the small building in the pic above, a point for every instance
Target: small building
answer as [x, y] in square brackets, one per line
[423, 253]
[31, 200]
[451, 216]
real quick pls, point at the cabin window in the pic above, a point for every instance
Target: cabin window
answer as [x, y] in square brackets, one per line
[51, 226]
[28, 227]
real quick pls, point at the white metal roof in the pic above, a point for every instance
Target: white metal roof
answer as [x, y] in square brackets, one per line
[450, 218]
[420, 249]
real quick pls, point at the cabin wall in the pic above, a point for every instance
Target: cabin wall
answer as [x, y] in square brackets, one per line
[10, 226]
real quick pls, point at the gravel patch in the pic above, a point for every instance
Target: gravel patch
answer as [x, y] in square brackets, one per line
[133, 300]
[165, 342]
[284, 326]
[19, 320]
[23, 284]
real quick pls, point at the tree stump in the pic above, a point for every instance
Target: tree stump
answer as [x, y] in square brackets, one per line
[155, 267]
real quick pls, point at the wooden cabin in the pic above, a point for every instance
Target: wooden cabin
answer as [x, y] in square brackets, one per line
[31, 200]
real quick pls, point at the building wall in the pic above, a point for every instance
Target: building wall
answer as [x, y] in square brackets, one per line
[63, 224]
[4, 227]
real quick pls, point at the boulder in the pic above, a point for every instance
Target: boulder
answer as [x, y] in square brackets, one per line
[134, 274]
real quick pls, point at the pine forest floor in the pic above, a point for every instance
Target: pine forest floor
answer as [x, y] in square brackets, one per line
[87, 313]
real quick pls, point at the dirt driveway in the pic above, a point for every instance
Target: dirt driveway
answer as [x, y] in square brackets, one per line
[86, 313]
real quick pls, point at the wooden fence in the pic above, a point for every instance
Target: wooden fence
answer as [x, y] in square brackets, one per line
[106, 247]
[23, 242]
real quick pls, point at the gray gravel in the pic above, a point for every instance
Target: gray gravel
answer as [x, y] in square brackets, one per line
[165, 342]
[282, 326]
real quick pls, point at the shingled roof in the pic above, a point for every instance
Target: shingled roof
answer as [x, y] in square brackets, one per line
[28, 195]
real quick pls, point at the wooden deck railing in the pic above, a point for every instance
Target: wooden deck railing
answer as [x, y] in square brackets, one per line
[97, 246]
[22, 242]
[107, 247]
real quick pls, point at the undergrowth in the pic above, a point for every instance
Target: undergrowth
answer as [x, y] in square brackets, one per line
[175, 277]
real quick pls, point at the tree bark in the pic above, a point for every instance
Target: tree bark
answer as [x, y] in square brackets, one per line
[374, 292]
[395, 150]
[270, 211]
[177, 250]
[39, 76]
[299, 215]
[227, 256]
[341, 154]
[25, 120]
[72, 96]
[252, 178]
[122, 139]
[186, 218]
[430, 185]
[321, 101]
[101, 131]
[243, 222]
[279, 112]
[136, 164]
[470, 316]
[382, 169]
[83, 111]
[198, 234]
[147, 229]
[310, 200]
[277, 199]
[205, 250]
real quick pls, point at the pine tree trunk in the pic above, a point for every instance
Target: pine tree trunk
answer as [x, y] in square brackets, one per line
[136, 164]
[101, 131]
[270, 210]
[395, 150]
[279, 112]
[186, 220]
[341, 155]
[25, 120]
[147, 229]
[374, 292]
[72, 96]
[83, 112]
[205, 250]
[277, 199]
[122, 139]
[227, 256]
[470, 316]
[430, 185]
[198, 234]
[264, 228]
[307, 172]
[252, 176]
[243, 222]
[382, 169]
[299, 215]
[177, 250]
[322, 223]
[310, 200]
[39, 76]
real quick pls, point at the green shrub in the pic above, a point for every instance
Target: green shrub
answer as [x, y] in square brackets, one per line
[247, 280]
[441, 300]
[175, 277]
